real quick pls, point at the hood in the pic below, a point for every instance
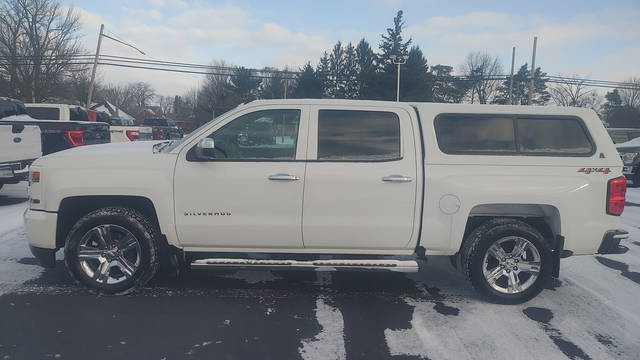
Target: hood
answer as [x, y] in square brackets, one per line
[133, 154]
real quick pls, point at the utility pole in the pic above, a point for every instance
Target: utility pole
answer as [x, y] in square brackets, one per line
[286, 82]
[533, 69]
[398, 60]
[95, 67]
[513, 59]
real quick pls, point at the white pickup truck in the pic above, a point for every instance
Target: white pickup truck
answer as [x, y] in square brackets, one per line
[506, 191]
[19, 146]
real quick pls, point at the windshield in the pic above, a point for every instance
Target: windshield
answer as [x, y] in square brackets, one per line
[195, 132]
[9, 107]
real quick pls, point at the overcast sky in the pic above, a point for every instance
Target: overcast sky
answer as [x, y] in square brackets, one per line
[596, 39]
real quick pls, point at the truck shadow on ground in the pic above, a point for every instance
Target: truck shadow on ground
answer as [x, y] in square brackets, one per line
[10, 200]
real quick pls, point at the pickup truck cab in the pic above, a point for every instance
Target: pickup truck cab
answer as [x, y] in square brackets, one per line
[66, 126]
[506, 191]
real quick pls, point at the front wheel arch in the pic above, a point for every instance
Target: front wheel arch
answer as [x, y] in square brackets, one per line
[73, 208]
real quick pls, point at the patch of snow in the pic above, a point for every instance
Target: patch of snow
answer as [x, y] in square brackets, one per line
[253, 276]
[329, 343]
[13, 242]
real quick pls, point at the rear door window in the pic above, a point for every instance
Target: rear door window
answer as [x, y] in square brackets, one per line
[355, 135]
[44, 113]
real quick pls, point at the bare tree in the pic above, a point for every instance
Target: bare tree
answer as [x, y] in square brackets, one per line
[38, 46]
[482, 70]
[571, 92]
[631, 97]
[143, 94]
[166, 104]
[118, 95]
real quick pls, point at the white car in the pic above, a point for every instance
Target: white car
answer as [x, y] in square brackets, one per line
[338, 184]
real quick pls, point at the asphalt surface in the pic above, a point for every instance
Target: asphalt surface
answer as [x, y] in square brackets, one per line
[589, 313]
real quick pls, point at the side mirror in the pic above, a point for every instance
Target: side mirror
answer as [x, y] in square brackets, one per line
[205, 149]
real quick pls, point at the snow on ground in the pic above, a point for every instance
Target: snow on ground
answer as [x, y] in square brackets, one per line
[13, 203]
[591, 313]
[329, 343]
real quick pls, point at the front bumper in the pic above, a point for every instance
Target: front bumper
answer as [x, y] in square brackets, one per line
[611, 241]
[46, 257]
[41, 228]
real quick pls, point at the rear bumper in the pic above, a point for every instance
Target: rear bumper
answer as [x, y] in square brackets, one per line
[611, 241]
[13, 173]
[40, 227]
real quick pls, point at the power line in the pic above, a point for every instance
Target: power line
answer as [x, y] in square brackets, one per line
[206, 69]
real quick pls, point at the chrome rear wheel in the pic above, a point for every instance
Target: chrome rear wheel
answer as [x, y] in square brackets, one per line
[511, 265]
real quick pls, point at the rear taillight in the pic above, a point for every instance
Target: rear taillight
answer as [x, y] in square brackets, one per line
[133, 135]
[75, 137]
[616, 190]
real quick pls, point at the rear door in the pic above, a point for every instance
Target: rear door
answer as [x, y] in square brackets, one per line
[361, 179]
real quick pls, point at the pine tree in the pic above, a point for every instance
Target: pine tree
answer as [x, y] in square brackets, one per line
[446, 88]
[349, 75]
[367, 76]
[415, 80]
[272, 87]
[244, 85]
[322, 73]
[392, 42]
[520, 91]
[336, 86]
[392, 45]
[307, 84]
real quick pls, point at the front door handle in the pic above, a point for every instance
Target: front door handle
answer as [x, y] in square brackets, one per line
[397, 178]
[283, 177]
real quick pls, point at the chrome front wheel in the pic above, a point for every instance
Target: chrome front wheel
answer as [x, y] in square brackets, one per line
[109, 254]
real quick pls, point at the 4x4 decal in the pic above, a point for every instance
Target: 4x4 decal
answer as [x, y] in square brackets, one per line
[595, 170]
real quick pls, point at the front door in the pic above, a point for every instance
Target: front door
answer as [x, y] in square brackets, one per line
[360, 183]
[249, 197]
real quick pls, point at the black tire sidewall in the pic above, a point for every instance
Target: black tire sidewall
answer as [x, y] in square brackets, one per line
[489, 238]
[115, 216]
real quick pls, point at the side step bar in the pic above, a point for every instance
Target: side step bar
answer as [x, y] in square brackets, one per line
[317, 265]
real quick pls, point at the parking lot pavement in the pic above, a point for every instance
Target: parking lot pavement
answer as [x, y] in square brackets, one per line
[589, 313]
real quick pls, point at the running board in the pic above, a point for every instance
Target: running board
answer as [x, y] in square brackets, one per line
[317, 265]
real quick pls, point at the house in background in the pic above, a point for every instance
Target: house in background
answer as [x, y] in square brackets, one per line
[114, 112]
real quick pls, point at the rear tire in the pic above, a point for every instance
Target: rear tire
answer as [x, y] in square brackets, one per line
[507, 260]
[113, 250]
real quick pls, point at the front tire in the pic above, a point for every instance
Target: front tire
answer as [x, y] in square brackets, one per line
[507, 260]
[112, 250]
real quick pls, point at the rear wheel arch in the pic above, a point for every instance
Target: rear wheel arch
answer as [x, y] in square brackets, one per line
[544, 218]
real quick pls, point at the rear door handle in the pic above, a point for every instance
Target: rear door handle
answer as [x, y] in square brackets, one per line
[397, 178]
[283, 177]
